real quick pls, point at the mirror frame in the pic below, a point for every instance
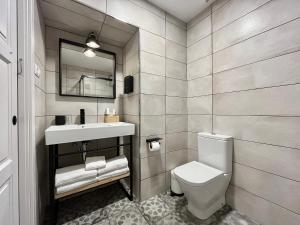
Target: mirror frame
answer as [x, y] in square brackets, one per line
[61, 41]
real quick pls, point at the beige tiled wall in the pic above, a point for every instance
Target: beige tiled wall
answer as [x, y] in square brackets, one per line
[162, 89]
[40, 112]
[251, 49]
[131, 102]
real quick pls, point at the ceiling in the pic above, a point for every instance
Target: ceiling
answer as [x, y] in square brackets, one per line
[81, 20]
[184, 10]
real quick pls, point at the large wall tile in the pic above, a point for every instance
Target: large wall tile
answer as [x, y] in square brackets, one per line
[52, 63]
[175, 33]
[59, 105]
[175, 158]
[200, 86]
[281, 40]
[151, 63]
[152, 125]
[281, 101]
[132, 13]
[175, 69]
[132, 64]
[176, 123]
[192, 155]
[286, 193]
[199, 123]
[153, 186]
[198, 18]
[52, 82]
[152, 166]
[175, 51]
[152, 43]
[153, 105]
[150, 7]
[199, 68]
[131, 105]
[277, 71]
[132, 46]
[273, 159]
[95, 4]
[270, 15]
[175, 21]
[233, 10]
[263, 211]
[176, 105]
[175, 87]
[200, 105]
[193, 141]
[176, 141]
[199, 50]
[265, 129]
[199, 31]
[40, 102]
[152, 84]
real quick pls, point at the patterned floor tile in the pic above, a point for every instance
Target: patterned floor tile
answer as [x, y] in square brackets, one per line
[154, 209]
[110, 206]
[234, 218]
[174, 202]
[118, 206]
[129, 216]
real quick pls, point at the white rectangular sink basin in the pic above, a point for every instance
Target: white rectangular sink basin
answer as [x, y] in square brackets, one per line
[91, 131]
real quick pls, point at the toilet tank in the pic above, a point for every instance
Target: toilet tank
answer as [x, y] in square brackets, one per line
[215, 150]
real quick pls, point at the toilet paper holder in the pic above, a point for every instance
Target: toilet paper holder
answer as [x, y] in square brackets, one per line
[153, 139]
[150, 140]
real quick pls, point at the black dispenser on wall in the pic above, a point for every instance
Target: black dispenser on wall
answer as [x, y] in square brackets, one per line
[82, 116]
[128, 84]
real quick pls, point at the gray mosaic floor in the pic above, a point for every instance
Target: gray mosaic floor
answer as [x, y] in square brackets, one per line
[110, 206]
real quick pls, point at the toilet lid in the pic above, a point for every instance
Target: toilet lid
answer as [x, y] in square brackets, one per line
[196, 173]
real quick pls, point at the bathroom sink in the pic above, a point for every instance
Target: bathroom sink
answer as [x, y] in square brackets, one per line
[85, 132]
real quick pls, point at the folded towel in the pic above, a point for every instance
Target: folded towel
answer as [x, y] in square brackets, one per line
[73, 186]
[116, 163]
[71, 174]
[113, 173]
[95, 162]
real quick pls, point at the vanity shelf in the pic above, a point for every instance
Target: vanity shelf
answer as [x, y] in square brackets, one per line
[93, 185]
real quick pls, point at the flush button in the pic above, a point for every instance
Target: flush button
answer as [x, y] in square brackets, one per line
[14, 120]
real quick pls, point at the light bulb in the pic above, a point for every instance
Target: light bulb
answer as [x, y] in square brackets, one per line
[89, 52]
[91, 41]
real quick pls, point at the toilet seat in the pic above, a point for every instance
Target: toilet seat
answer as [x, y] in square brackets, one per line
[196, 173]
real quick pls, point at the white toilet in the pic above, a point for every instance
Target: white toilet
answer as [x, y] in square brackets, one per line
[205, 182]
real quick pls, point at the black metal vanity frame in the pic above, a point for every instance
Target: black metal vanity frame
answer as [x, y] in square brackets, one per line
[54, 162]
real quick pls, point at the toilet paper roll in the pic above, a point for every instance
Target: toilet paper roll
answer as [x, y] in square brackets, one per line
[154, 146]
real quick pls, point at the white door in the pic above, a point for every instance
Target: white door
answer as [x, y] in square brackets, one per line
[8, 108]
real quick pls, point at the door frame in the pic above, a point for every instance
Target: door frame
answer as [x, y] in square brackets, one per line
[27, 160]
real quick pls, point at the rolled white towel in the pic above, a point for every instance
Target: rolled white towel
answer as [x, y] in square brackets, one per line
[95, 162]
[115, 163]
[73, 186]
[72, 174]
[113, 173]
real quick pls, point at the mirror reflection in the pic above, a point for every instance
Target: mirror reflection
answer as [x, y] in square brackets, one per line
[85, 71]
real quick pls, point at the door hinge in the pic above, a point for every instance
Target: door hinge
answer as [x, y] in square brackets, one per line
[20, 66]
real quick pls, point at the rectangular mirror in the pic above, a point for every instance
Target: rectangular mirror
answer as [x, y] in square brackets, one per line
[86, 76]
